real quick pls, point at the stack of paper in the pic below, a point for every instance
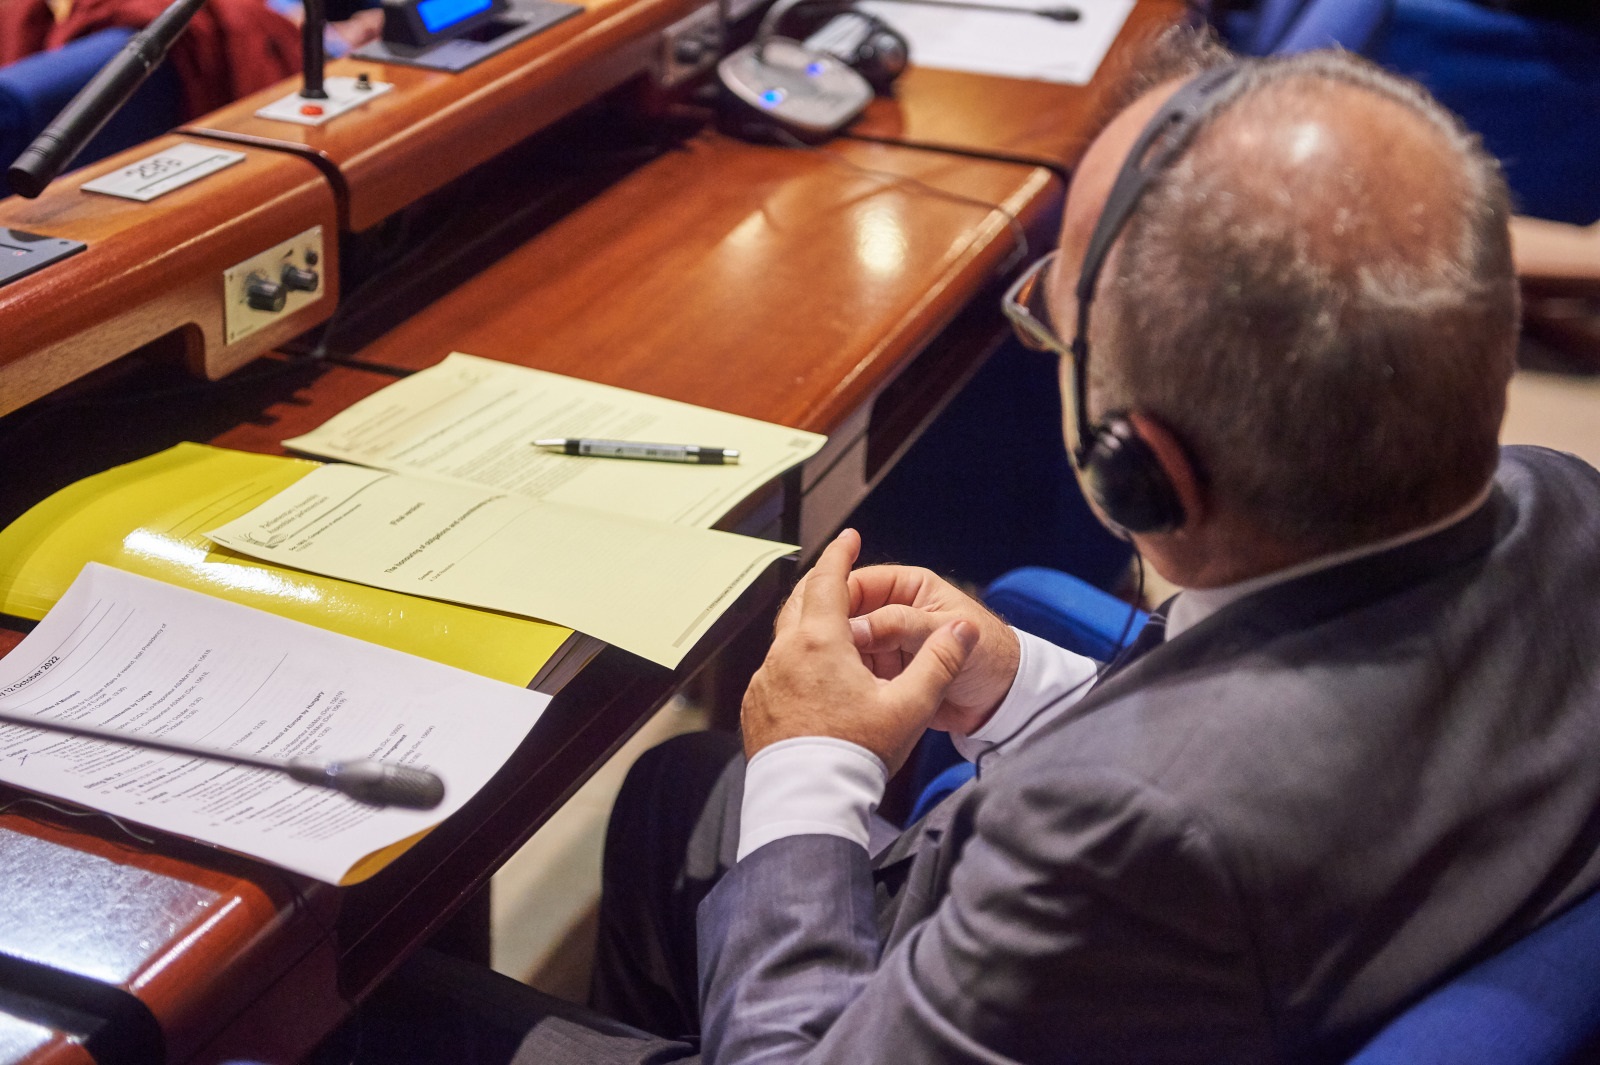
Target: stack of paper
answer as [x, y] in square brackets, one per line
[129, 654]
[150, 516]
[469, 511]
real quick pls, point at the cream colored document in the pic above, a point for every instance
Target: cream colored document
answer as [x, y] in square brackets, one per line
[473, 420]
[648, 587]
[131, 654]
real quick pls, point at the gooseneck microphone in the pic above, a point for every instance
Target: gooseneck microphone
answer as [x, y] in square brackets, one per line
[364, 780]
[55, 148]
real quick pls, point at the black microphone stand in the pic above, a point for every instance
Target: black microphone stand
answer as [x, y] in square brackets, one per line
[54, 149]
[312, 53]
[59, 144]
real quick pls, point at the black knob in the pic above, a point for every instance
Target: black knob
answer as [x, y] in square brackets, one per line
[690, 51]
[265, 295]
[298, 279]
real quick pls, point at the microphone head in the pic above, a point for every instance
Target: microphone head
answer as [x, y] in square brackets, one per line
[373, 783]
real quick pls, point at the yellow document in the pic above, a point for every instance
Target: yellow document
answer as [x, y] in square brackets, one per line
[473, 421]
[646, 586]
[149, 517]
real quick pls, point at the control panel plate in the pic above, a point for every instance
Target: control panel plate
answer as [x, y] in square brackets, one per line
[23, 253]
[256, 277]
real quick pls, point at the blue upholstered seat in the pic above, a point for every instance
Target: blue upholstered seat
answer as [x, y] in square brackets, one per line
[1535, 1003]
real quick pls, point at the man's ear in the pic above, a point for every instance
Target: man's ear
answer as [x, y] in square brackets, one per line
[1177, 465]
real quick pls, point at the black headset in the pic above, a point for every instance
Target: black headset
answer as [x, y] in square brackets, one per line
[1119, 470]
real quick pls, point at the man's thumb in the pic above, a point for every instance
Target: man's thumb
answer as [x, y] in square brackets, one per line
[940, 658]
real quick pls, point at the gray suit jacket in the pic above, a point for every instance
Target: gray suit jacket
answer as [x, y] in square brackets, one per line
[1255, 843]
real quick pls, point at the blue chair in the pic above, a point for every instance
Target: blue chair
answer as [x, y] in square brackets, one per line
[1283, 26]
[34, 89]
[1535, 1003]
[1530, 87]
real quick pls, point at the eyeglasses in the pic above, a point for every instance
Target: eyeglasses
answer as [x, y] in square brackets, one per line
[1024, 305]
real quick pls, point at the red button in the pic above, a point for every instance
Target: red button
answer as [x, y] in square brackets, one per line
[311, 110]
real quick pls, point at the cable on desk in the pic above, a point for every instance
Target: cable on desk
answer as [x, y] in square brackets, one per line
[1055, 166]
[73, 811]
[1018, 235]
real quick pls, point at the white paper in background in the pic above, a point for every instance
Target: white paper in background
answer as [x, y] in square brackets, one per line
[131, 654]
[1007, 44]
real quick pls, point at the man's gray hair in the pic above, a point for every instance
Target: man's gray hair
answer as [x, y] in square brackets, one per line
[1332, 384]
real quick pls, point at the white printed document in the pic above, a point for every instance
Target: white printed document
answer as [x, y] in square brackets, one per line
[1010, 44]
[470, 420]
[645, 586]
[131, 654]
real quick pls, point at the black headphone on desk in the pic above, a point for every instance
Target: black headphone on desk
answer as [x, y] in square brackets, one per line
[1120, 470]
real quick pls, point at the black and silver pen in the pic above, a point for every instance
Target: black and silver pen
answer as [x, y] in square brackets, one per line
[632, 449]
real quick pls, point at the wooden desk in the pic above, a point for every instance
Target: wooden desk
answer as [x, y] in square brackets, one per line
[1036, 121]
[786, 285]
[434, 126]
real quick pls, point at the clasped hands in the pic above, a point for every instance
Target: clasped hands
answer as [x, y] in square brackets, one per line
[875, 657]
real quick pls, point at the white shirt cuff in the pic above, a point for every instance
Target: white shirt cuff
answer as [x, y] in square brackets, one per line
[1049, 680]
[809, 785]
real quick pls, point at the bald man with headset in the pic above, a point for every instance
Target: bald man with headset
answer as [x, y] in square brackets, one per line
[1357, 752]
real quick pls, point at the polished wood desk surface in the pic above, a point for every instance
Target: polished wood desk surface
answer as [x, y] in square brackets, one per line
[772, 282]
[830, 289]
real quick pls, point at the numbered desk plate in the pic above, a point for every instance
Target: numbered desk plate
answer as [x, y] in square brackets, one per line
[171, 168]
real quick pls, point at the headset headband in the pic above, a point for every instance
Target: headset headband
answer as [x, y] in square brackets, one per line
[1161, 141]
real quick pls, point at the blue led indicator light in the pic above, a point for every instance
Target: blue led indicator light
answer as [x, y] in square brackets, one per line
[815, 69]
[772, 97]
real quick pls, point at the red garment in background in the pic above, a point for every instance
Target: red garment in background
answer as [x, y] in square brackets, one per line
[231, 48]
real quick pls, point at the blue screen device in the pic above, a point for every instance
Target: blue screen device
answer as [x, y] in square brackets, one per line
[419, 23]
[440, 15]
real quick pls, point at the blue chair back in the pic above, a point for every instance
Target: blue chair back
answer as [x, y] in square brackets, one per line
[1530, 87]
[34, 89]
[1282, 26]
[1068, 612]
[1535, 1003]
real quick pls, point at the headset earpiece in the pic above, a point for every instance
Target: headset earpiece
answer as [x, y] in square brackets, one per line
[1120, 470]
[1125, 479]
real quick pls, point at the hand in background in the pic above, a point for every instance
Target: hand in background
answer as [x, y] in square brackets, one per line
[814, 682]
[895, 609]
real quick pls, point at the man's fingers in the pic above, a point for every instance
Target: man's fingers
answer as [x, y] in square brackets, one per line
[900, 628]
[876, 586]
[824, 594]
[935, 666]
